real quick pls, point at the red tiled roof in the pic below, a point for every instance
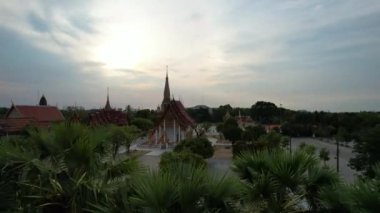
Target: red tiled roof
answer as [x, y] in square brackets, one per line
[103, 117]
[15, 124]
[177, 109]
[39, 113]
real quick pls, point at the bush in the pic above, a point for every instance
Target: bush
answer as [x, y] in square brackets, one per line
[142, 123]
[200, 146]
[169, 158]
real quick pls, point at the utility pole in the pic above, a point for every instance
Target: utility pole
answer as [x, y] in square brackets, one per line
[337, 155]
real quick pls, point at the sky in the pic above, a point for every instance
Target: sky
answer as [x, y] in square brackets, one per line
[300, 54]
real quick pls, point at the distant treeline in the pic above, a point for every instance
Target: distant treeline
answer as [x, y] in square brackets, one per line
[295, 123]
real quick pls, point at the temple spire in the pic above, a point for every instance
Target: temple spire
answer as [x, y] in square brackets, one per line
[108, 106]
[166, 99]
[43, 101]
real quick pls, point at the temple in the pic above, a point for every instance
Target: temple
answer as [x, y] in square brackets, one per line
[107, 115]
[20, 116]
[174, 124]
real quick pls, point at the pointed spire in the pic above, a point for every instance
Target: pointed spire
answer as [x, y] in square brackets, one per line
[43, 101]
[166, 99]
[108, 106]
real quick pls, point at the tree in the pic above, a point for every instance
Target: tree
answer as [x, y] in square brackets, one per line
[308, 148]
[169, 158]
[232, 134]
[220, 112]
[66, 169]
[276, 181]
[324, 155]
[200, 146]
[132, 134]
[252, 133]
[117, 138]
[230, 130]
[367, 152]
[360, 196]
[270, 141]
[264, 112]
[143, 124]
[185, 188]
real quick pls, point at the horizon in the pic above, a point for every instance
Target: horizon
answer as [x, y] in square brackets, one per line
[303, 55]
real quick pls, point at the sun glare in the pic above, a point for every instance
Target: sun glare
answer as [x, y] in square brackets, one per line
[122, 49]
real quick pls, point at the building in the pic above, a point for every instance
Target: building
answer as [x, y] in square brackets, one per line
[108, 115]
[272, 127]
[20, 116]
[244, 121]
[174, 124]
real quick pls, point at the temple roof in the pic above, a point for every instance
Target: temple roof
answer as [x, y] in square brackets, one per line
[103, 117]
[179, 113]
[38, 113]
[20, 116]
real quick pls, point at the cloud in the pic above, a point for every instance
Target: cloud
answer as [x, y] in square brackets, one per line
[304, 54]
[38, 23]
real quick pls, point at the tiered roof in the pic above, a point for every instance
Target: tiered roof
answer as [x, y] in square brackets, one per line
[37, 113]
[20, 116]
[108, 116]
[103, 117]
[178, 111]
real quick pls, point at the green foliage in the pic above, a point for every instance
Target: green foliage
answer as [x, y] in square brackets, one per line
[264, 112]
[270, 141]
[200, 146]
[3, 111]
[185, 188]
[146, 114]
[117, 137]
[324, 155]
[277, 180]
[76, 111]
[230, 130]
[200, 115]
[367, 151]
[218, 113]
[121, 135]
[169, 158]
[232, 133]
[361, 196]
[66, 169]
[252, 133]
[308, 148]
[142, 123]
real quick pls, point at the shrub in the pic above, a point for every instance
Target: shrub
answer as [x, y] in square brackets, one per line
[169, 158]
[200, 146]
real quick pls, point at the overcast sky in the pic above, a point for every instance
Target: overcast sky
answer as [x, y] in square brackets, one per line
[302, 54]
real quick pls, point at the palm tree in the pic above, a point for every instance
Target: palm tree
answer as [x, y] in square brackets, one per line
[278, 180]
[67, 169]
[324, 155]
[361, 196]
[185, 188]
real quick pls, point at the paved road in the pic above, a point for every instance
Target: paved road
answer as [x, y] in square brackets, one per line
[345, 153]
[223, 165]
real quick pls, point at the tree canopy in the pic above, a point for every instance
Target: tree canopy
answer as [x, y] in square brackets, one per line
[201, 146]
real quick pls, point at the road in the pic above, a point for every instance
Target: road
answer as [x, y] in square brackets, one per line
[223, 165]
[345, 153]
